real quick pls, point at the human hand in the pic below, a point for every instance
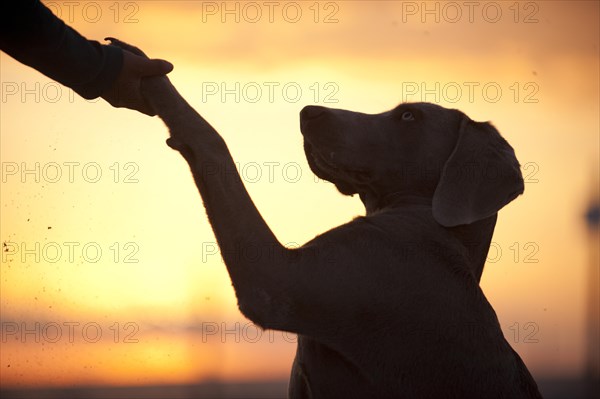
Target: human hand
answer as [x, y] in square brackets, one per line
[125, 91]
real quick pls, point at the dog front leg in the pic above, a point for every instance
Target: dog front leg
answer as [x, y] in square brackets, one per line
[250, 250]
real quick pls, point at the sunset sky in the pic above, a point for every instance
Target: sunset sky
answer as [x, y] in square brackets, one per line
[111, 242]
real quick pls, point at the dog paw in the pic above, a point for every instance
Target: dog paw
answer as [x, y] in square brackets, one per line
[125, 46]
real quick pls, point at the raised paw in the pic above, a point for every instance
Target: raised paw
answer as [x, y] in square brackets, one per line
[125, 46]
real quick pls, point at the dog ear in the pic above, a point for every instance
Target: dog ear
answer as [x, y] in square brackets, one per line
[481, 176]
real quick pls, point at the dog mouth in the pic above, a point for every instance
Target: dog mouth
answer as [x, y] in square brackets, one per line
[328, 167]
[318, 163]
[324, 162]
[326, 154]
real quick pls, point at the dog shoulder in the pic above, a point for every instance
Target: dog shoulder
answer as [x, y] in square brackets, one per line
[408, 238]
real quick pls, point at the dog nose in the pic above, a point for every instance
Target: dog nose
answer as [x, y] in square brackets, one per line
[312, 111]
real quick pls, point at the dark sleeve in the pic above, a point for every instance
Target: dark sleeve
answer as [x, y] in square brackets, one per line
[31, 34]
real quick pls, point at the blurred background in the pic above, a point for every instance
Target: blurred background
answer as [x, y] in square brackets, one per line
[111, 282]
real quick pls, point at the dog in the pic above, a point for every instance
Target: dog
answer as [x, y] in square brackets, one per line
[389, 304]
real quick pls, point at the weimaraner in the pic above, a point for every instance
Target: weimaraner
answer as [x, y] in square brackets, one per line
[389, 304]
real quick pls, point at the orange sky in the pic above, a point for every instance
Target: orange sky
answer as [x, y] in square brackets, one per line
[157, 268]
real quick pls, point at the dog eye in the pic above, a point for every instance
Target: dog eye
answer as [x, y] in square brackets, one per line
[408, 116]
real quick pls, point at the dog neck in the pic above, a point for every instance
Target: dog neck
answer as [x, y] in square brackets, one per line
[376, 203]
[475, 237]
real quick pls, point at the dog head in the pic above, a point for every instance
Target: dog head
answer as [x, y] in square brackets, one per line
[467, 169]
